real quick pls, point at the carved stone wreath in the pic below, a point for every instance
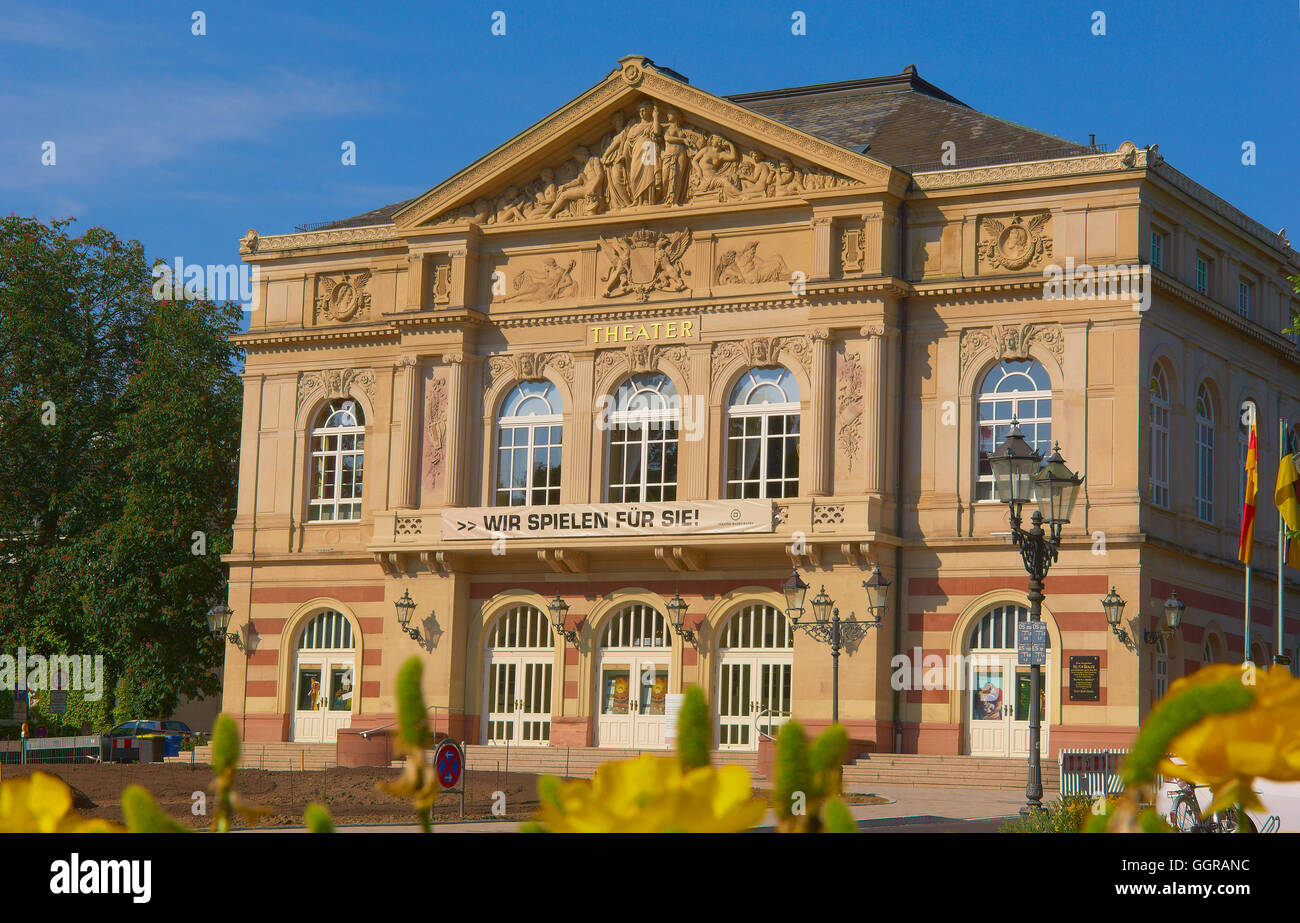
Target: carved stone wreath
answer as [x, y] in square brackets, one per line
[342, 297]
[1016, 244]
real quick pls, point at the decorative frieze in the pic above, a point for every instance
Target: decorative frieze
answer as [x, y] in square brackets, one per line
[526, 365]
[334, 383]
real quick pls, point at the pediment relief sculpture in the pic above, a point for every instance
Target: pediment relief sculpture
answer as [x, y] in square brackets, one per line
[1010, 342]
[746, 267]
[1016, 243]
[342, 297]
[650, 157]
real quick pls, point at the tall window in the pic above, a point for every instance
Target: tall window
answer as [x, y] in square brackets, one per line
[1202, 275]
[763, 435]
[1157, 250]
[1012, 391]
[1204, 455]
[1243, 298]
[1159, 419]
[529, 441]
[338, 443]
[643, 440]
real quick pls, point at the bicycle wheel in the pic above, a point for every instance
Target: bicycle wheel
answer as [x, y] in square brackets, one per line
[1186, 816]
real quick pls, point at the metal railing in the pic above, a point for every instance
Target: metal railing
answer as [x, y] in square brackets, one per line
[1090, 772]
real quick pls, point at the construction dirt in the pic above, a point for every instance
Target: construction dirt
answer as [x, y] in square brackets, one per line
[350, 794]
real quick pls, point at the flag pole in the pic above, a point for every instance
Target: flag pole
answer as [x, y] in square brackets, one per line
[1280, 650]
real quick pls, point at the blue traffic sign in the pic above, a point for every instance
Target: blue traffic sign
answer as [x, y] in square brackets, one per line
[1031, 644]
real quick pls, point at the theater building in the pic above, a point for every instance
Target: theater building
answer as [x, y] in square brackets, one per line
[665, 345]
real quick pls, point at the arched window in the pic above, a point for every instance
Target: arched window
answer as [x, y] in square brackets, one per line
[338, 442]
[757, 628]
[328, 631]
[643, 430]
[1019, 391]
[763, 435]
[520, 628]
[1204, 455]
[529, 441]
[636, 626]
[996, 629]
[1159, 420]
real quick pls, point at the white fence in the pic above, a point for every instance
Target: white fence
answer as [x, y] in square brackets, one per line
[1091, 772]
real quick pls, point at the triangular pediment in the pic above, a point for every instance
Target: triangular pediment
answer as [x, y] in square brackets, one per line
[641, 140]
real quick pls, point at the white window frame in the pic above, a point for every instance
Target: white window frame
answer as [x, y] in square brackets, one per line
[631, 426]
[1204, 455]
[1037, 429]
[1158, 419]
[1157, 249]
[540, 429]
[322, 456]
[765, 414]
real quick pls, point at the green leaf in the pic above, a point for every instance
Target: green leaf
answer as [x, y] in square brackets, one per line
[412, 717]
[225, 744]
[694, 729]
[792, 774]
[317, 818]
[142, 815]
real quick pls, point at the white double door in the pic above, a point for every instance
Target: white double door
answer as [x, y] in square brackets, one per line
[998, 705]
[754, 694]
[323, 695]
[633, 698]
[519, 699]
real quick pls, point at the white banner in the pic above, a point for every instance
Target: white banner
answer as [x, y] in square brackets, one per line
[592, 520]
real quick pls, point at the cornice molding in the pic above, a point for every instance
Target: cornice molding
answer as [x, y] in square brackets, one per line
[1127, 157]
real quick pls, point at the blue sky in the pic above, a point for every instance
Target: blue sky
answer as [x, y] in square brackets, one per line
[185, 141]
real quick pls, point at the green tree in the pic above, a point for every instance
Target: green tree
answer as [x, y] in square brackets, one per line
[119, 436]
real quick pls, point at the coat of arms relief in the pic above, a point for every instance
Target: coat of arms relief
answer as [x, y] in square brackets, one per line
[643, 262]
[649, 157]
[1016, 243]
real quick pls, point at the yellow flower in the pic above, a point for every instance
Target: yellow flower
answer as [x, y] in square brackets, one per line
[654, 795]
[1229, 751]
[43, 804]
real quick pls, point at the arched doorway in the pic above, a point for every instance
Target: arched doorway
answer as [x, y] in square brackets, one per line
[519, 667]
[997, 689]
[324, 670]
[755, 674]
[632, 669]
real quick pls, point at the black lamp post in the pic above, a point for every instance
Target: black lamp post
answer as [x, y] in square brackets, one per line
[559, 609]
[1020, 474]
[828, 628]
[219, 620]
[677, 616]
[405, 609]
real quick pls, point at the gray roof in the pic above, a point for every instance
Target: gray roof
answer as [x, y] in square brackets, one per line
[900, 119]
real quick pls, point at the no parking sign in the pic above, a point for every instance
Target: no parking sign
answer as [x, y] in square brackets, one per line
[448, 762]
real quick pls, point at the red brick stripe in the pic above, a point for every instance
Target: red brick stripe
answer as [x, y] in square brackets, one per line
[261, 689]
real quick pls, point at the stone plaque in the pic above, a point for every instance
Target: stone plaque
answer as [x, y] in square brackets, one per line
[1085, 678]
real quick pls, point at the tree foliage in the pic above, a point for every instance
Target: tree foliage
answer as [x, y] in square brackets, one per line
[119, 436]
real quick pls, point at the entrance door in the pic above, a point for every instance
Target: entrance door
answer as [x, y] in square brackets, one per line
[323, 697]
[998, 692]
[633, 699]
[519, 700]
[754, 688]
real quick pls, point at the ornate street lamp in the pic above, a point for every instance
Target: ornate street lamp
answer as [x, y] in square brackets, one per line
[1113, 605]
[218, 621]
[1174, 609]
[559, 609]
[828, 628]
[405, 609]
[1019, 475]
[677, 616]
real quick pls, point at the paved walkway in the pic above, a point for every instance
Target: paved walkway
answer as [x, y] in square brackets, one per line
[908, 804]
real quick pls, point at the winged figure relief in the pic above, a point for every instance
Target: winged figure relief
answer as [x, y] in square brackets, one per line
[341, 297]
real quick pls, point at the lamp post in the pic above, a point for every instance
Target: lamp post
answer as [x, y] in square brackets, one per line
[559, 609]
[405, 609]
[1019, 475]
[219, 620]
[828, 628]
[1113, 605]
[677, 616]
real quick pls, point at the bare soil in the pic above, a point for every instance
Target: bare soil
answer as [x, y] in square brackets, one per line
[350, 794]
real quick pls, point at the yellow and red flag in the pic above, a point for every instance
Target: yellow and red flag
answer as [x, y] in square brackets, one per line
[1247, 542]
[1288, 504]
